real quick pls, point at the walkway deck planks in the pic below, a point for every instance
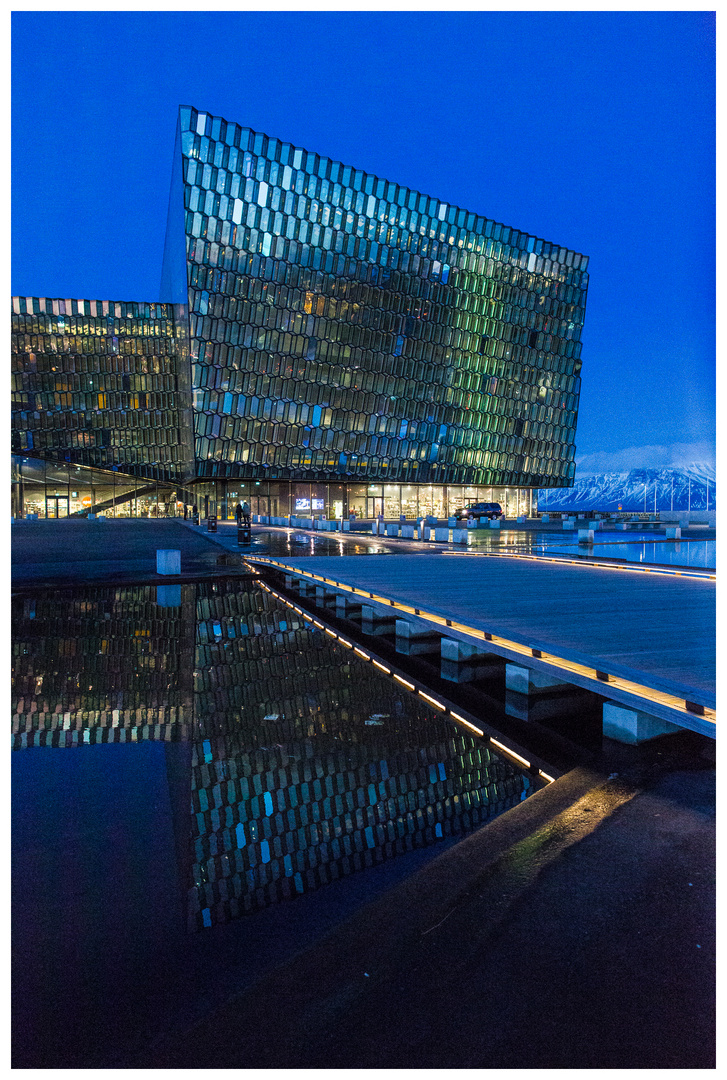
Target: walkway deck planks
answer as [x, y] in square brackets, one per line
[661, 629]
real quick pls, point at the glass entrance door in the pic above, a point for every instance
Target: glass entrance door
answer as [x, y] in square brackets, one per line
[375, 506]
[56, 506]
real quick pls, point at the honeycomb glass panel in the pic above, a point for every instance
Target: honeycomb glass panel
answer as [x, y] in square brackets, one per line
[371, 284]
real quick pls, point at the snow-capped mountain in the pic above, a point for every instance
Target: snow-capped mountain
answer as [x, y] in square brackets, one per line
[683, 488]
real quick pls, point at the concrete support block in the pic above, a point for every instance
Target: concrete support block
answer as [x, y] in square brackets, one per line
[673, 533]
[545, 517]
[169, 561]
[567, 524]
[375, 621]
[169, 595]
[392, 528]
[471, 523]
[345, 526]
[622, 526]
[596, 524]
[460, 536]
[528, 680]
[458, 651]
[451, 523]
[341, 605]
[585, 536]
[407, 532]
[494, 523]
[631, 725]
[442, 535]
[413, 639]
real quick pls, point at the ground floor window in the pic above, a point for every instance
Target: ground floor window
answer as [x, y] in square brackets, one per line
[46, 490]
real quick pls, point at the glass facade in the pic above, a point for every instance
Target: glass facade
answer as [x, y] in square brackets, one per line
[97, 383]
[321, 327]
[343, 326]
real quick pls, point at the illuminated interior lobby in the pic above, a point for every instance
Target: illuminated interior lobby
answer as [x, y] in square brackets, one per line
[325, 342]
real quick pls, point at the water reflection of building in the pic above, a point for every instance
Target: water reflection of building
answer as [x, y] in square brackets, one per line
[307, 763]
[310, 765]
[108, 664]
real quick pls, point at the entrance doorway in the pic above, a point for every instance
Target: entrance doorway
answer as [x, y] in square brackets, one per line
[374, 506]
[56, 506]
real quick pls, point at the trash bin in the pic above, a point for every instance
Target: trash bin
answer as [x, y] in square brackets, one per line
[212, 523]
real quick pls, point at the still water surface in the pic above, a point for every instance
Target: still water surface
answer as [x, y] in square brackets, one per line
[189, 760]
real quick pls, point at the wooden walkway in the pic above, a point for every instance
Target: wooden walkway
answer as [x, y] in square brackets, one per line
[658, 631]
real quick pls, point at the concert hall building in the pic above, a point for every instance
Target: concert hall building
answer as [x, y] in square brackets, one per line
[325, 341]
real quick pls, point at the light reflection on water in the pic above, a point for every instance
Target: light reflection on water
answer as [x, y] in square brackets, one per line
[699, 554]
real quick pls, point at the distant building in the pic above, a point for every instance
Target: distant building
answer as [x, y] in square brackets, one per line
[327, 341]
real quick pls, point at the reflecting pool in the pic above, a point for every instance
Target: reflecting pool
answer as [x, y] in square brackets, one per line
[189, 758]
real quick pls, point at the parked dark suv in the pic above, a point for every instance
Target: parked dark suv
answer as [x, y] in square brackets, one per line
[480, 510]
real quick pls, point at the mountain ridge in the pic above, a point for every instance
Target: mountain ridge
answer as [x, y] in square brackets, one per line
[688, 486]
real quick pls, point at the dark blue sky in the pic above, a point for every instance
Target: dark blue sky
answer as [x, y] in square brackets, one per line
[594, 130]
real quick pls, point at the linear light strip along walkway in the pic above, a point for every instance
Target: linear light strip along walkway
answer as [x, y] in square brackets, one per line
[599, 679]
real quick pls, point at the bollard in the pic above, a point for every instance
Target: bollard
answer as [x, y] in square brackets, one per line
[169, 561]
